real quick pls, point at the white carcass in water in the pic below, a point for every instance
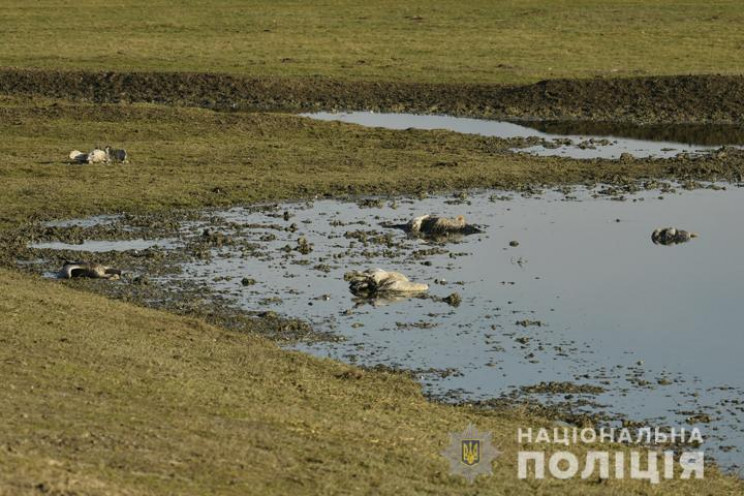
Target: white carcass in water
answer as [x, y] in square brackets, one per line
[671, 236]
[437, 226]
[378, 281]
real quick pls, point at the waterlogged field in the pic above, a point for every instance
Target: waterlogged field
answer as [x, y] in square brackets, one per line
[563, 298]
[562, 309]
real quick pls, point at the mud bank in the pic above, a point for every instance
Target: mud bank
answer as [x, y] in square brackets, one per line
[647, 100]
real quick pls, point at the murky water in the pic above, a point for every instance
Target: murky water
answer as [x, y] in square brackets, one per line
[585, 297]
[587, 140]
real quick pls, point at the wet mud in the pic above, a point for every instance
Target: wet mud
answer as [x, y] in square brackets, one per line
[647, 100]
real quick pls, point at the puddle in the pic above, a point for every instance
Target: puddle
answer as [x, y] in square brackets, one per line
[584, 297]
[96, 246]
[587, 140]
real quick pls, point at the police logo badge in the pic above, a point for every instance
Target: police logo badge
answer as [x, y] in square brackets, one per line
[470, 453]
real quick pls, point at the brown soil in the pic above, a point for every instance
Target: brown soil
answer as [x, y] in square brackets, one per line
[683, 99]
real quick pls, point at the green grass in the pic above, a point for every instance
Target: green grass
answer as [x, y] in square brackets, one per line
[514, 41]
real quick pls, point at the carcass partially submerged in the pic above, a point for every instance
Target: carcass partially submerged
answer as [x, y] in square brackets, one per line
[671, 236]
[371, 283]
[86, 269]
[434, 226]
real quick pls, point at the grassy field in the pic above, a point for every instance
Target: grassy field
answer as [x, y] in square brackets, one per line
[512, 41]
[187, 158]
[102, 397]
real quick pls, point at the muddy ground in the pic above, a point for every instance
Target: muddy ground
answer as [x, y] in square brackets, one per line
[643, 100]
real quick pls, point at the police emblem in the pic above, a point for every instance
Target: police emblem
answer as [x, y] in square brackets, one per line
[470, 453]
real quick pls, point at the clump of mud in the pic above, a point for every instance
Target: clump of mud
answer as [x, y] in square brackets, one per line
[562, 388]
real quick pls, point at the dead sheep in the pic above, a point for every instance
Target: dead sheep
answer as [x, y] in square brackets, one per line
[72, 270]
[117, 154]
[671, 236]
[435, 226]
[378, 281]
[99, 155]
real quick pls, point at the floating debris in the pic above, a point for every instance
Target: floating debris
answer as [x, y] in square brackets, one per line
[303, 246]
[453, 300]
[671, 236]
[529, 323]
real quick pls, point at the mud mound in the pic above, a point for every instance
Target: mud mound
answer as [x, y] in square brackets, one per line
[692, 99]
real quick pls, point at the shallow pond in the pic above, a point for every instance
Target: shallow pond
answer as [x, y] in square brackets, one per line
[584, 297]
[587, 140]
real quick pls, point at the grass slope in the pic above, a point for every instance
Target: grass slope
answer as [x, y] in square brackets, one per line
[100, 397]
